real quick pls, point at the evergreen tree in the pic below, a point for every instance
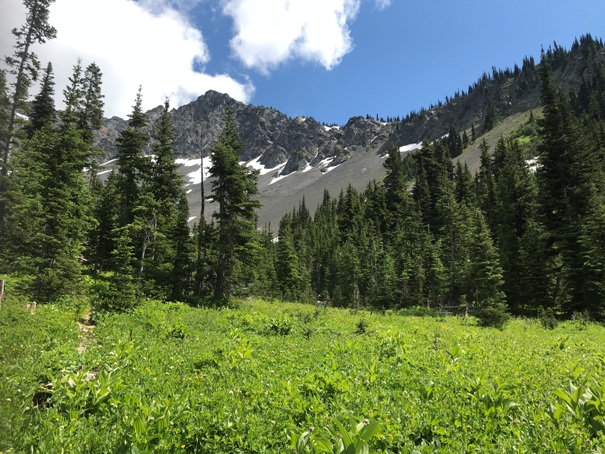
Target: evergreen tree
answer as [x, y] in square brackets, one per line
[290, 281]
[397, 198]
[102, 241]
[534, 270]
[91, 116]
[486, 187]
[517, 206]
[74, 95]
[348, 276]
[182, 244]
[592, 251]
[454, 142]
[132, 164]
[490, 118]
[161, 201]
[350, 214]
[43, 107]
[24, 65]
[463, 182]
[122, 291]
[484, 278]
[48, 183]
[375, 208]
[570, 177]
[232, 189]
[434, 181]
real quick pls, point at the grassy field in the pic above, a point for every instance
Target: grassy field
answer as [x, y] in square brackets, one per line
[255, 377]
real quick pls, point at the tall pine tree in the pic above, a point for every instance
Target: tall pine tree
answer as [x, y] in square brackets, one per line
[233, 187]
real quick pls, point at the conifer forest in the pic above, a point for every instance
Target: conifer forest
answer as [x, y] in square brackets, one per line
[511, 239]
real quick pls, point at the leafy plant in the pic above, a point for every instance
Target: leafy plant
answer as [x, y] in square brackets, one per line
[355, 440]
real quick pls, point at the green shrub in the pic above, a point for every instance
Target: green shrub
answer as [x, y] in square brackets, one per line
[362, 326]
[493, 315]
[547, 317]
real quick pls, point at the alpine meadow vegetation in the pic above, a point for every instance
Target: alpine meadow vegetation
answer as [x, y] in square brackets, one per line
[435, 311]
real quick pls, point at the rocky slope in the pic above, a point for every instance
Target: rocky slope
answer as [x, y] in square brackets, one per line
[300, 157]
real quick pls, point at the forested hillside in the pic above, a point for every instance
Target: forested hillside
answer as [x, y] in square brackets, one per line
[524, 235]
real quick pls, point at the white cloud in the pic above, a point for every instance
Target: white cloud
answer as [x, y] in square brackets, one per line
[270, 33]
[383, 4]
[148, 44]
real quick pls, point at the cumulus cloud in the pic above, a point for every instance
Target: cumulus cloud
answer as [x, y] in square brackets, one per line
[270, 33]
[149, 44]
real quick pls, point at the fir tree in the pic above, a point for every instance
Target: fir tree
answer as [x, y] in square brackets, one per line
[91, 116]
[570, 178]
[106, 212]
[74, 95]
[232, 189]
[490, 118]
[43, 107]
[24, 65]
[287, 263]
[182, 244]
[131, 162]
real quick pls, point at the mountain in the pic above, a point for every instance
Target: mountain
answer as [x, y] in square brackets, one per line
[299, 157]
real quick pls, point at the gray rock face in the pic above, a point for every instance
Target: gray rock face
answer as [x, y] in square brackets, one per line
[307, 156]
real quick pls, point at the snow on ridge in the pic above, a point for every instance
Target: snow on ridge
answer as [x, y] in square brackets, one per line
[329, 169]
[103, 172]
[279, 175]
[195, 177]
[326, 162]
[191, 218]
[329, 128]
[21, 116]
[256, 165]
[309, 167]
[108, 162]
[410, 147]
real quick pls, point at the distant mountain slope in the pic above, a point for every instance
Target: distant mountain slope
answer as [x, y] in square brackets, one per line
[301, 157]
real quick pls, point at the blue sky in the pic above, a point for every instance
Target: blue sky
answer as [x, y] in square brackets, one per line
[414, 53]
[330, 59]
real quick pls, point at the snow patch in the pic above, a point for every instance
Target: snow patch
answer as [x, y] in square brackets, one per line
[103, 172]
[196, 176]
[256, 165]
[279, 175]
[329, 169]
[326, 162]
[108, 162]
[191, 218]
[22, 117]
[309, 167]
[329, 128]
[410, 147]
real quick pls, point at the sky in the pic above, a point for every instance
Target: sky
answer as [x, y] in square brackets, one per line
[327, 59]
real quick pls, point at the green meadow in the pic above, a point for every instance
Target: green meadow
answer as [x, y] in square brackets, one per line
[264, 377]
